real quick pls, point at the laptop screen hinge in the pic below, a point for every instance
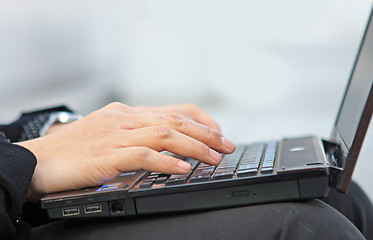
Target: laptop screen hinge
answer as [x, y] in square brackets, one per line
[332, 151]
[335, 159]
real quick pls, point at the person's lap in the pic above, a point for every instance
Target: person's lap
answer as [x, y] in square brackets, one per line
[311, 219]
[291, 220]
[356, 206]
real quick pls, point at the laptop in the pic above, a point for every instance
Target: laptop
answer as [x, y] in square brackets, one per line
[284, 170]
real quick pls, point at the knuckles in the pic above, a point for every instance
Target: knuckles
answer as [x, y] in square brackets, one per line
[148, 161]
[143, 154]
[164, 163]
[117, 106]
[211, 134]
[175, 119]
[163, 132]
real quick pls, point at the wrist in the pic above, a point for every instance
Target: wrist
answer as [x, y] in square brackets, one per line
[34, 147]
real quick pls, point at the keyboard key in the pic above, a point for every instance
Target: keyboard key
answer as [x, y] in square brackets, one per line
[181, 176]
[248, 166]
[151, 177]
[202, 174]
[246, 172]
[266, 170]
[204, 166]
[146, 184]
[192, 162]
[176, 179]
[226, 169]
[160, 180]
[154, 174]
[235, 156]
[269, 158]
[223, 175]
[175, 182]
[199, 178]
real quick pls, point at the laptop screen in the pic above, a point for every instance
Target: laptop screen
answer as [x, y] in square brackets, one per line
[358, 91]
[356, 109]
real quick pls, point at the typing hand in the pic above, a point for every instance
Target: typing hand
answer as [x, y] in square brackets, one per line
[120, 138]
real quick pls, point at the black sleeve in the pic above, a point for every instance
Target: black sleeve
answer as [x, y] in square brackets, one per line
[17, 165]
[13, 131]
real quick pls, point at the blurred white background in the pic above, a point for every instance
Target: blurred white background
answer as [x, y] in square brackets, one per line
[263, 69]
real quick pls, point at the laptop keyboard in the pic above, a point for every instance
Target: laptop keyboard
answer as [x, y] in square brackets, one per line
[246, 160]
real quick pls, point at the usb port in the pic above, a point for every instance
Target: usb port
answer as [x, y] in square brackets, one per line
[93, 208]
[70, 211]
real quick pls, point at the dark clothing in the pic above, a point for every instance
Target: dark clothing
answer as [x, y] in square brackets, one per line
[305, 220]
[17, 166]
[311, 219]
[356, 206]
[14, 130]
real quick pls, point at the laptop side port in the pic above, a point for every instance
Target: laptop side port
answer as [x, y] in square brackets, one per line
[71, 211]
[95, 208]
[117, 207]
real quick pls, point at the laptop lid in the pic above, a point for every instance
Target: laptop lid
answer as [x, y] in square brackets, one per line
[355, 111]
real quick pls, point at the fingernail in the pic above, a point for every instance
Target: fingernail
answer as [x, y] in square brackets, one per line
[184, 165]
[215, 155]
[228, 144]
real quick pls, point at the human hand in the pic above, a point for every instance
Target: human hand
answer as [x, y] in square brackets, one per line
[190, 111]
[119, 138]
